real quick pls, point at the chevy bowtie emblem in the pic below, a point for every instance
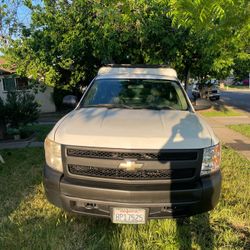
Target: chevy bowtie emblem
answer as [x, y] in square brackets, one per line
[130, 165]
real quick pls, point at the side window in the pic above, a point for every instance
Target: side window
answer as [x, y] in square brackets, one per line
[9, 84]
[21, 83]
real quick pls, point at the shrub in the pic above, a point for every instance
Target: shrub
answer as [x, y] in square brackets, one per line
[13, 131]
[21, 108]
[26, 131]
[58, 95]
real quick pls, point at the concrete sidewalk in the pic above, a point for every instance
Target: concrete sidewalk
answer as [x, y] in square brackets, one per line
[235, 89]
[228, 136]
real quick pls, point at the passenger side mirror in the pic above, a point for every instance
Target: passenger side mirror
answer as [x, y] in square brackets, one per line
[201, 104]
[70, 101]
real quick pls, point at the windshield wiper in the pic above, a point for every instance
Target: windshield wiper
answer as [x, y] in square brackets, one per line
[109, 106]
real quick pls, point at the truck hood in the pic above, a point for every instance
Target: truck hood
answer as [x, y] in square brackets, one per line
[133, 129]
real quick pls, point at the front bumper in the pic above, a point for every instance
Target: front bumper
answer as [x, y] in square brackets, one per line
[160, 201]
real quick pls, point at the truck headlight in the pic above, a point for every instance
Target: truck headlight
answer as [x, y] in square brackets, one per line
[53, 155]
[211, 160]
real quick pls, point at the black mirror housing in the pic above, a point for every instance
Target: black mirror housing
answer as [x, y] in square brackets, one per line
[70, 101]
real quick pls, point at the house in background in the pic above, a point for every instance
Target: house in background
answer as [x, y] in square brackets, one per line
[9, 81]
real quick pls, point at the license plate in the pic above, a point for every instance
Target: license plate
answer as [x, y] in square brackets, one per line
[129, 215]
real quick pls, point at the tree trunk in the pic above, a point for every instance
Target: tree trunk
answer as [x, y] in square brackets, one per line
[186, 74]
[2, 129]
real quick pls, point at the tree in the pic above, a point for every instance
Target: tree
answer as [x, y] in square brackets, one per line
[241, 69]
[68, 41]
[221, 28]
[68, 52]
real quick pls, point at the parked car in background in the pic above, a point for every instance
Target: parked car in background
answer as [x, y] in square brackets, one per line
[212, 91]
[209, 90]
[245, 82]
[196, 90]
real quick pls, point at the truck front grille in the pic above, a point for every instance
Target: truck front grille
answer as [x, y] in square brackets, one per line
[142, 174]
[159, 156]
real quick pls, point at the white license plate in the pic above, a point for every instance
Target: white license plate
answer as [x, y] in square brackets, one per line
[129, 215]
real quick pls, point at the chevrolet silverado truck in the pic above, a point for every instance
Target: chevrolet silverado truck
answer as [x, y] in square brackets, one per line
[133, 149]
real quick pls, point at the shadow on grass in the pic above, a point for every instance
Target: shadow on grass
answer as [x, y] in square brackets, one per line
[219, 106]
[244, 234]
[197, 229]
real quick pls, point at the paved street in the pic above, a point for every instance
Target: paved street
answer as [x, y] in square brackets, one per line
[238, 99]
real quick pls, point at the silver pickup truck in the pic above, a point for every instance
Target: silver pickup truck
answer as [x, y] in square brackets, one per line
[133, 149]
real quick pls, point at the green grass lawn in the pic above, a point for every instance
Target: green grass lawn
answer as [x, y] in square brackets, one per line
[223, 112]
[241, 128]
[28, 221]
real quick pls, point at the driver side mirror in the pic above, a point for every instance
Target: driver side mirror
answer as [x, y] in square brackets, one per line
[70, 101]
[201, 104]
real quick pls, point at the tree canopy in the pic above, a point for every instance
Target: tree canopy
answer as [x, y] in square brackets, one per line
[67, 41]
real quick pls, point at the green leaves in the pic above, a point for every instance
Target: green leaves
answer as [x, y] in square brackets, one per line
[68, 41]
[20, 108]
[220, 24]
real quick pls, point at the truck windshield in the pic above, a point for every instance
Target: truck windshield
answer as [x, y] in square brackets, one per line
[135, 94]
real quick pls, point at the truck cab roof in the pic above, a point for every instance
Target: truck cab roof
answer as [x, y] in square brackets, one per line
[137, 71]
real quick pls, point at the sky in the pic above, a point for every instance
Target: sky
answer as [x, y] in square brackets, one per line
[24, 15]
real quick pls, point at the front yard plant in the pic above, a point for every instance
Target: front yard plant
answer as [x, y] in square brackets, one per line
[19, 109]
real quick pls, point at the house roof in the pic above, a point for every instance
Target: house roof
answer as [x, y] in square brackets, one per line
[5, 69]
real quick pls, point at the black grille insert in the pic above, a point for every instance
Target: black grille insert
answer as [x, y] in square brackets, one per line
[158, 156]
[142, 174]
